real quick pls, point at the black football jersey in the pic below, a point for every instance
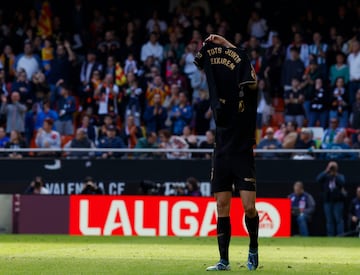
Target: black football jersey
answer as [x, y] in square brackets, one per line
[230, 79]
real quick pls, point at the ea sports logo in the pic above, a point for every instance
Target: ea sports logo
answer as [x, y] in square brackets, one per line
[269, 219]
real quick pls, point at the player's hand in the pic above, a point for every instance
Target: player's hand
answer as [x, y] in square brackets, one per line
[215, 39]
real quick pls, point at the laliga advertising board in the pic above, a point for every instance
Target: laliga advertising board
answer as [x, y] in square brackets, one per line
[170, 216]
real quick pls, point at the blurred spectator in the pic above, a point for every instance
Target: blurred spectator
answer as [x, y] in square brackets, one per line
[154, 20]
[337, 44]
[111, 140]
[7, 60]
[353, 61]
[168, 141]
[152, 48]
[264, 108]
[30, 121]
[293, 68]
[257, 25]
[110, 43]
[330, 132]
[48, 138]
[196, 36]
[208, 143]
[334, 194]
[28, 61]
[131, 64]
[189, 136]
[3, 137]
[174, 44]
[198, 83]
[275, 56]
[269, 142]
[47, 54]
[302, 48]
[89, 65]
[339, 69]
[202, 113]
[80, 141]
[15, 113]
[340, 144]
[291, 134]
[258, 62]
[106, 97]
[280, 133]
[149, 141]
[311, 73]
[155, 115]
[302, 209]
[187, 59]
[130, 132]
[3, 85]
[133, 93]
[319, 102]
[107, 121]
[16, 141]
[90, 187]
[170, 101]
[192, 187]
[319, 48]
[37, 187]
[66, 107]
[177, 77]
[181, 114]
[87, 125]
[109, 66]
[86, 95]
[354, 211]
[305, 140]
[157, 86]
[60, 68]
[253, 44]
[23, 86]
[294, 99]
[355, 113]
[178, 143]
[45, 112]
[339, 103]
[147, 72]
[40, 89]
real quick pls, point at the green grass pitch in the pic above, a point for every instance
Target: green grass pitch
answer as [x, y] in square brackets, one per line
[58, 254]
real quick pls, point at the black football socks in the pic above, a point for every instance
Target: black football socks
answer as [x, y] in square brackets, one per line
[223, 237]
[252, 225]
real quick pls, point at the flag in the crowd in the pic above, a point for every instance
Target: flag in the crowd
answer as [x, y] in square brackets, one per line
[44, 23]
[120, 77]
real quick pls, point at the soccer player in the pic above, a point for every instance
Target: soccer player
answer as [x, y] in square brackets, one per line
[232, 87]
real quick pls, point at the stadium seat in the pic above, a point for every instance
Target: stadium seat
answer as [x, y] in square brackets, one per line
[277, 119]
[65, 139]
[278, 104]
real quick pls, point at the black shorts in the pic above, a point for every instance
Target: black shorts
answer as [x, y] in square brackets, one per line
[233, 172]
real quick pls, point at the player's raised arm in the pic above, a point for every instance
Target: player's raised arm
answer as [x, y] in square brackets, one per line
[218, 39]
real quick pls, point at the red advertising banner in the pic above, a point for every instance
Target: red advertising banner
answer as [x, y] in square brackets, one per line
[170, 216]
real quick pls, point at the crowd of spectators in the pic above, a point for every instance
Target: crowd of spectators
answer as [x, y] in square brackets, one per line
[117, 78]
